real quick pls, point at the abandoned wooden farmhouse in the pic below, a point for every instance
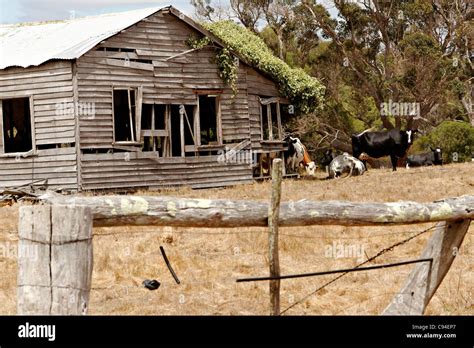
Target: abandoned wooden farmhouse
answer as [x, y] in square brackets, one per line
[122, 101]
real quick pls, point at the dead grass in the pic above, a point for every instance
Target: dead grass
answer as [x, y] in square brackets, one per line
[208, 261]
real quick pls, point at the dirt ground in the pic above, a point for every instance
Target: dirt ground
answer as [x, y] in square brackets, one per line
[208, 261]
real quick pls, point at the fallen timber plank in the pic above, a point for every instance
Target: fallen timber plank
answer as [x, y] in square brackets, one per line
[184, 212]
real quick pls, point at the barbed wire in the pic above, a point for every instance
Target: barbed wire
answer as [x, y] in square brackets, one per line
[291, 235]
[381, 252]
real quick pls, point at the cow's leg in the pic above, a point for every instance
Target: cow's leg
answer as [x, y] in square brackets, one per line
[394, 159]
[365, 165]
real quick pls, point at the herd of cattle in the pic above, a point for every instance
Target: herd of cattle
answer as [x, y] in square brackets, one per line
[365, 146]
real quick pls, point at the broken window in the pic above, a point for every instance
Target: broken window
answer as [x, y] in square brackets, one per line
[270, 119]
[208, 114]
[182, 130]
[154, 128]
[16, 119]
[127, 114]
[170, 130]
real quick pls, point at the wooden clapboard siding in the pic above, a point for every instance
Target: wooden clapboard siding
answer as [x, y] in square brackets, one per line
[258, 85]
[163, 81]
[171, 82]
[254, 116]
[54, 122]
[59, 166]
[134, 170]
[50, 84]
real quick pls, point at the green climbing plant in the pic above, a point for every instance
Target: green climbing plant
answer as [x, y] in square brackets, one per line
[226, 61]
[304, 91]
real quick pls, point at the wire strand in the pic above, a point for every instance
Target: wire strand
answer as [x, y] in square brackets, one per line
[381, 252]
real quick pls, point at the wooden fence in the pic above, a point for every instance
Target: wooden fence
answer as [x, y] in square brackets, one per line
[59, 281]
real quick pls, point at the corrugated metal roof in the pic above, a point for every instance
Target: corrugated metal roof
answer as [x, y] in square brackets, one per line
[30, 44]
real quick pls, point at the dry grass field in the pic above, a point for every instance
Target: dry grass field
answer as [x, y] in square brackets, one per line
[208, 261]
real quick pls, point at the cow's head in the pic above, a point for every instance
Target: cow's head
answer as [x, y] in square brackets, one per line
[364, 157]
[410, 135]
[311, 168]
[437, 155]
[290, 140]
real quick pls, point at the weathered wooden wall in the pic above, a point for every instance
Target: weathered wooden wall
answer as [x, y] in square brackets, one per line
[142, 62]
[172, 81]
[50, 84]
[164, 82]
[123, 170]
[258, 86]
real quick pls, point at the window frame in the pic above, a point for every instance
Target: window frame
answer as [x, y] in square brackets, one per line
[138, 114]
[158, 133]
[22, 154]
[197, 117]
[263, 101]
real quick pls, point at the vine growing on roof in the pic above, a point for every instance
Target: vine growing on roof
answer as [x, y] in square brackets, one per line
[226, 61]
[304, 91]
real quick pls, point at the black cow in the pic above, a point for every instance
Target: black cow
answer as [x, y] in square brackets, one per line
[434, 157]
[327, 157]
[393, 143]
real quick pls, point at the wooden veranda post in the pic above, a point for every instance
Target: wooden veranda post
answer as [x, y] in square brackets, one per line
[54, 260]
[273, 217]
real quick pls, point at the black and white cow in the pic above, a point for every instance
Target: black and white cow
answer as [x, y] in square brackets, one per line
[297, 155]
[394, 143]
[345, 164]
[434, 157]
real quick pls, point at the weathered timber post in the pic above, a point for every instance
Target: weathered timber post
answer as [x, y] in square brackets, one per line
[273, 217]
[426, 277]
[54, 260]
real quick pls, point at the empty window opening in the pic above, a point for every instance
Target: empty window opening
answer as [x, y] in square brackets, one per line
[183, 138]
[175, 132]
[124, 115]
[208, 119]
[17, 125]
[154, 130]
[274, 120]
[270, 118]
[54, 146]
[189, 138]
[265, 128]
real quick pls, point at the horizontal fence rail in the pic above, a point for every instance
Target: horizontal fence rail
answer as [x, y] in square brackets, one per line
[60, 281]
[215, 213]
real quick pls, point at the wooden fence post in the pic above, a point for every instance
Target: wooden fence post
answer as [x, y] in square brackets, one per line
[54, 260]
[273, 217]
[426, 277]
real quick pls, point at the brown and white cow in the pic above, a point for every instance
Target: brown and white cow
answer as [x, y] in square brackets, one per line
[297, 155]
